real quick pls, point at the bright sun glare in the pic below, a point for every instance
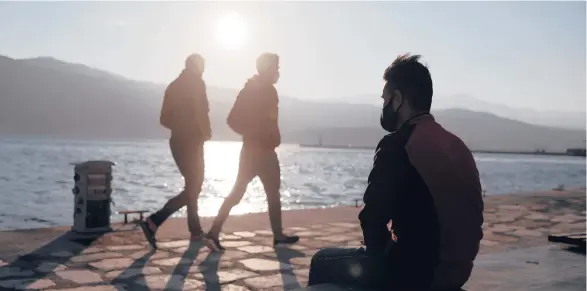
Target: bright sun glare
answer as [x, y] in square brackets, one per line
[230, 30]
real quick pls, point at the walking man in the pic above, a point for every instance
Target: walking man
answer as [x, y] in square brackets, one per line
[425, 181]
[254, 115]
[185, 113]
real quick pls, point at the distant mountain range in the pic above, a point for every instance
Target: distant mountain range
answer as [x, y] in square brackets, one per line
[45, 96]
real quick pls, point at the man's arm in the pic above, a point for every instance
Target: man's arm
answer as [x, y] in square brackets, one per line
[202, 110]
[376, 212]
[165, 117]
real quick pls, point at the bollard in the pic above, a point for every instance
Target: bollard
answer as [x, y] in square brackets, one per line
[92, 196]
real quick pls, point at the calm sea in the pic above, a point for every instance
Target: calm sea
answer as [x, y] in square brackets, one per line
[36, 177]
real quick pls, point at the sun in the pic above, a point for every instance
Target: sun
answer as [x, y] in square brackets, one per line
[231, 31]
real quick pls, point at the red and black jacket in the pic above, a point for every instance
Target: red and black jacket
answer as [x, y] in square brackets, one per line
[425, 180]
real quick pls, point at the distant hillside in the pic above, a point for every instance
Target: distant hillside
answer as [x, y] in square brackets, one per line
[50, 97]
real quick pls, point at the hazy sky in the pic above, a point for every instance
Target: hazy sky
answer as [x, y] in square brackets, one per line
[522, 54]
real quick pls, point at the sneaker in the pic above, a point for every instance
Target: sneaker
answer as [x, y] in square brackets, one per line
[213, 243]
[286, 239]
[149, 233]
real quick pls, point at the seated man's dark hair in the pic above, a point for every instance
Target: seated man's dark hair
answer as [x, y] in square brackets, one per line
[412, 78]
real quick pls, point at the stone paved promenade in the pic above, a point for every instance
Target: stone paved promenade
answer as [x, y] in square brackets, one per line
[55, 259]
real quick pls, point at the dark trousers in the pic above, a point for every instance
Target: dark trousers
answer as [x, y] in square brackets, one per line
[188, 155]
[349, 267]
[254, 161]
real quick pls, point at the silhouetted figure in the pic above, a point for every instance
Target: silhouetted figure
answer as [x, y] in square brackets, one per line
[254, 116]
[425, 181]
[185, 113]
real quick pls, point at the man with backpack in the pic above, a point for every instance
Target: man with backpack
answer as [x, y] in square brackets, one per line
[254, 116]
[185, 113]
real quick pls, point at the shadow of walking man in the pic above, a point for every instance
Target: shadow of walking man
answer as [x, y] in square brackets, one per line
[135, 272]
[178, 280]
[209, 269]
[284, 255]
[27, 269]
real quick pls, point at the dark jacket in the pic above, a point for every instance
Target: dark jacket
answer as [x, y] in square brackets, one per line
[185, 109]
[254, 114]
[425, 180]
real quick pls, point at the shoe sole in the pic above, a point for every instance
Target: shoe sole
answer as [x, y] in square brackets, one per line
[147, 232]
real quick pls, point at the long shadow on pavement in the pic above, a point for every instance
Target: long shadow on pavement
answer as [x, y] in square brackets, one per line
[136, 272]
[181, 271]
[209, 269]
[284, 255]
[29, 268]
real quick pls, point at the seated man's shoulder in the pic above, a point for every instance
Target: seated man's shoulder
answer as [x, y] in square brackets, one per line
[433, 137]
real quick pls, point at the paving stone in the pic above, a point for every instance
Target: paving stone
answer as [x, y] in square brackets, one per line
[539, 207]
[568, 218]
[95, 257]
[302, 272]
[235, 244]
[310, 252]
[27, 284]
[506, 219]
[112, 264]
[80, 276]
[205, 267]
[309, 233]
[296, 247]
[233, 287]
[171, 262]
[502, 228]
[512, 207]
[277, 280]
[319, 226]
[302, 261]
[229, 237]
[124, 247]
[264, 232]
[337, 238]
[174, 244]
[296, 228]
[132, 272]
[537, 216]
[522, 232]
[169, 282]
[156, 255]
[47, 267]
[227, 276]
[502, 238]
[338, 230]
[117, 287]
[244, 234]
[488, 243]
[256, 249]
[228, 255]
[265, 265]
[345, 224]
[92, 250]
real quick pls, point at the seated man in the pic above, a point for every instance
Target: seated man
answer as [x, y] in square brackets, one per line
[425, 181]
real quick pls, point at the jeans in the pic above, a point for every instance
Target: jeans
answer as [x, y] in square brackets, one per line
[254, 162]
[349, 267]
[188, 155]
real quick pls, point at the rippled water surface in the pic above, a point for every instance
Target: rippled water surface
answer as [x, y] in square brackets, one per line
[36, 177]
